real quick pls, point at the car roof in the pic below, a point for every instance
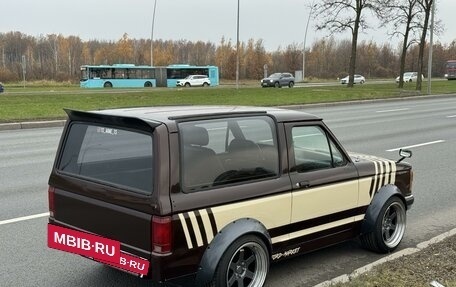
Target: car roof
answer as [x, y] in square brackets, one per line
[170, 115]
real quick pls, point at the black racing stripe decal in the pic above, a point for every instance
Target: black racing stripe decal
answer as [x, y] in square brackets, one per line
[306, 224]
[315, 240]
[212, 220]
[201, 227]
[383, 174]
[371, 189]
[374, 181]
[379, 176]
[191, 230]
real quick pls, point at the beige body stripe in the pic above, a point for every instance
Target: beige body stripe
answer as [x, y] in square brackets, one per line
[207, 225]
[185, 228]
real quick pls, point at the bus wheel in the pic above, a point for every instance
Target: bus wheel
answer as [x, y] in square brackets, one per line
[107, 85]
[148, 85]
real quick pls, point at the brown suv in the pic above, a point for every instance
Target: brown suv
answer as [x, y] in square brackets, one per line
[213, 195]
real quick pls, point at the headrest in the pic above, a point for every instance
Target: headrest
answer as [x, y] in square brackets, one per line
[192, 135]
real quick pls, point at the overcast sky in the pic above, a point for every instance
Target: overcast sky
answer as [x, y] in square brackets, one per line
[278, 23]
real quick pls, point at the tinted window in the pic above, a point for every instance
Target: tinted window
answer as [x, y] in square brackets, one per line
[313, 150]
[109, 155]
[227, 151]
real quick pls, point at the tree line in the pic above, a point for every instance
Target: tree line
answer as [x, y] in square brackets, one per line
[56, 57]
[410, 20]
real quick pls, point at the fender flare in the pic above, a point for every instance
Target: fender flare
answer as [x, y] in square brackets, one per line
[379, 200]
[222, 241]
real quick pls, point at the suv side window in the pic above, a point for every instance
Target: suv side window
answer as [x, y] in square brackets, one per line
[314, 150]
[227, 151]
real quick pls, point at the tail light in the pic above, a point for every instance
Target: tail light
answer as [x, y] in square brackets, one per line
[161, 235]
[51, 194]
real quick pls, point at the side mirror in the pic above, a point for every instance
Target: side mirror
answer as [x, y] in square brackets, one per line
[404, 153]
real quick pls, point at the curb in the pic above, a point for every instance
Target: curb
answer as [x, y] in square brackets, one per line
[32, 125]
[404, 252]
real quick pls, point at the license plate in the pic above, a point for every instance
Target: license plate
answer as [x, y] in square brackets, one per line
[97, 247]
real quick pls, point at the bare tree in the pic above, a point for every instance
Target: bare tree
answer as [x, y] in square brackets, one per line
[402, 16]
[341, 15]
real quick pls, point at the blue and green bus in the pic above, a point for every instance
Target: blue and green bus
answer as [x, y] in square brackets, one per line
[131, 76]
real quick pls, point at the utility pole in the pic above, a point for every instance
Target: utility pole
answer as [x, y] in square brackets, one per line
[304, 44]
[431, 47]
[152, 36]
[24, 70]
[237, 48]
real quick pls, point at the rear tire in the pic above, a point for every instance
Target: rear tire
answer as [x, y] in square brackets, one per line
[291, 84]
[244, 263]
[148, 85]
[389, 227]
[107, 85]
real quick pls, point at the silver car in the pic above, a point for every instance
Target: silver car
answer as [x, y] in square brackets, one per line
[359, 79]
[410, 77]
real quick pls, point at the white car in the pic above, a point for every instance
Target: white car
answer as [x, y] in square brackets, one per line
[358, 80]
[194, 80]
[410, 77]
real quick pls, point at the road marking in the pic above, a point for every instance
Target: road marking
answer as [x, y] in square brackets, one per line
[451, 116]
[23, 218]
[417, 145]
[395, 110]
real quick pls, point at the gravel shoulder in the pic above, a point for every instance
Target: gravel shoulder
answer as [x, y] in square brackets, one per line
[433, 262]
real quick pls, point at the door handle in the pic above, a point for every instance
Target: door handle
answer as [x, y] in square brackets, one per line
[303, 184]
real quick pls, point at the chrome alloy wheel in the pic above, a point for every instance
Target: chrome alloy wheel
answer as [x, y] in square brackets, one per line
[248, 266]
[393, 224]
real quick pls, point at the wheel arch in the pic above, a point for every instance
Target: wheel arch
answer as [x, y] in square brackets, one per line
[379, 200]
[107, 84]
[217, 247]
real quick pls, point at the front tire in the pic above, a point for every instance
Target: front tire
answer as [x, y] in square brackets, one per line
[277, 84]
[389, 227]
[291, 84]
[244, 263]
[187, 85]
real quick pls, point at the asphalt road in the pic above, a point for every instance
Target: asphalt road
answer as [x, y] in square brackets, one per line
[380, 128]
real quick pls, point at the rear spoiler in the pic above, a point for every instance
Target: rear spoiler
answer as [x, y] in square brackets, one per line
[105, 118]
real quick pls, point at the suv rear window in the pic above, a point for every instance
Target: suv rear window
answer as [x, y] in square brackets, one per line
[109, 155]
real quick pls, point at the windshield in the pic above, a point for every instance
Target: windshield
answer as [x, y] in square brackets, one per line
[109, 155]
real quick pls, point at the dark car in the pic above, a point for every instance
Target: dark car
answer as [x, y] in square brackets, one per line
[2, 89]
[210, 195]
[278, 80]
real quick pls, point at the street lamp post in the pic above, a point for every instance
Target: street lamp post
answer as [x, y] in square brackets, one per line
[152, 36]
[304, 44]
[431, 44]
[237, 48]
